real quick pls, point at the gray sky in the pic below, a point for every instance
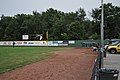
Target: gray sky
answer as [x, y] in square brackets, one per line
[13, 7]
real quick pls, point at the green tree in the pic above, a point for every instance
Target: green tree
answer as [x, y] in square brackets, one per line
[81, 14]
[111, 18]
[76, 30]
[4, 22]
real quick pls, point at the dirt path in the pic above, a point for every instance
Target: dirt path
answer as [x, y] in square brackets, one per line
[70, 64]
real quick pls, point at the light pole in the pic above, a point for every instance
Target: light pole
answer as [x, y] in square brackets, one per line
[102, 33]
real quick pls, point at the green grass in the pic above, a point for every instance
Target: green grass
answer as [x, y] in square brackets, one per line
[11, 58]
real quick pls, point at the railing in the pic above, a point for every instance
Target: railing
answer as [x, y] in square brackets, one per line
[96, 67]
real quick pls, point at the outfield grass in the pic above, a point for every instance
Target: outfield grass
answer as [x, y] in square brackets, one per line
[11, 58]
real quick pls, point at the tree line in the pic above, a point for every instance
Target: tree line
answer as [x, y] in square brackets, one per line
[61, 25]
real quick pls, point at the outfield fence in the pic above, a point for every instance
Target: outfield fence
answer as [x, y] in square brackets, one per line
[37, 43]
[73, 43]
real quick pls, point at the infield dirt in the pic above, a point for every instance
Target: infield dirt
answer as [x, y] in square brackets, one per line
[69, 64]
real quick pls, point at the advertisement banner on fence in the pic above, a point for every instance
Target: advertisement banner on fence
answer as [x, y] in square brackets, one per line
[37, 43]
[31, 43]
[71, 42]
[7, 43]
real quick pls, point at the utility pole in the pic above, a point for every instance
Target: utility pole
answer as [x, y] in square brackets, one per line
[102, 33]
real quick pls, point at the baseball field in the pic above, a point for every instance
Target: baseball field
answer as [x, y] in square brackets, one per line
[11, 58]
[46, 63]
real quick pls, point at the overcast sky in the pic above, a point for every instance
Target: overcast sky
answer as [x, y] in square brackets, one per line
[13, 7]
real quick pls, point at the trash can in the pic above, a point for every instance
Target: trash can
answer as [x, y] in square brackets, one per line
[108, 74]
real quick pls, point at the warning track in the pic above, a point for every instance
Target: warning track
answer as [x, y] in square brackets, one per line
[70, 64]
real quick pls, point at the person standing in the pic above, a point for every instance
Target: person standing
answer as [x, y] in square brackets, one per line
[13, 44]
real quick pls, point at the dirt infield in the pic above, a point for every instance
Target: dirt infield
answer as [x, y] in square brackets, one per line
[70, 64]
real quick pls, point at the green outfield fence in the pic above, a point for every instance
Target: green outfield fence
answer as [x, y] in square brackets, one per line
[86, 43]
